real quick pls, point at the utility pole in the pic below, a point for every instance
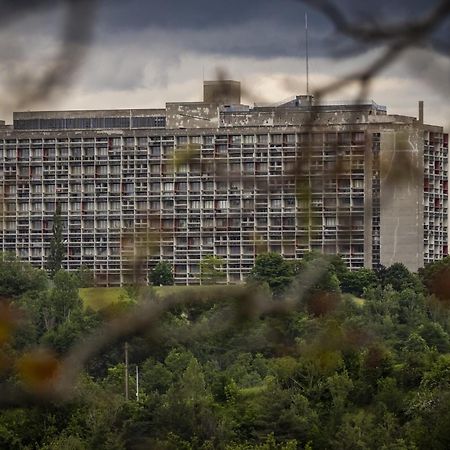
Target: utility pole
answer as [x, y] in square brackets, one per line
[137, 383]
[126, 371]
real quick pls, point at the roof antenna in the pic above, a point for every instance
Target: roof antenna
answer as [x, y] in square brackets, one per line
[307, 53]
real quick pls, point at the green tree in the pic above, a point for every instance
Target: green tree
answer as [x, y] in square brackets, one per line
[399, 277]
[62, 300]
[86, 277]
[210, 269]
[357, 281]
[57, 249]
[273, 269]
[18, 277]
[161, 274]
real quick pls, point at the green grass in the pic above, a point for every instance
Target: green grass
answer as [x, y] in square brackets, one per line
[100, 297]
[163, 291]
[359, 301]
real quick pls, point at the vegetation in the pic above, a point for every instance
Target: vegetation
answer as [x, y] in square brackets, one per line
[161, 275]
[210, 269]
[329, 373]
[273, 269]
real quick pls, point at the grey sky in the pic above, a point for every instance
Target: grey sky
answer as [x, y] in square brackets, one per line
[146, 52]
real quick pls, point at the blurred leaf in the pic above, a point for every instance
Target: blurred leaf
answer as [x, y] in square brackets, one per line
[38, 369]
[8, 321]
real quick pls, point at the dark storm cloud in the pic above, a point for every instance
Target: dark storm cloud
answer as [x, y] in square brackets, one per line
[275, 28]
[259, 28]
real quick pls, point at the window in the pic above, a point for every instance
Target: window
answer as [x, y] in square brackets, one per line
[235, 140]
[36, 206]
[49, 207]
[358, 184]
[102, 170]
[155, 188]
[194, 186]
[155, 168]
[168, 187]
[89, 170]
[88, 251]
[330, 221]
[277, 139]
[36, 171]
[263, 139]
[128, 188]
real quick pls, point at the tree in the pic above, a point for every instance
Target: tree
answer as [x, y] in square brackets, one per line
[57, 250]
[398, 276]
[210, 269]
[162, 274]
[332, 268]
[273, 269]
[436, 278]
[62, 300]
[355, 282]
[86, 277]
[18, 277]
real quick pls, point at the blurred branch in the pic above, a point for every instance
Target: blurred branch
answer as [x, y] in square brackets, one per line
[25, 87]
[411, 31]
[396, 38]
[248, 302]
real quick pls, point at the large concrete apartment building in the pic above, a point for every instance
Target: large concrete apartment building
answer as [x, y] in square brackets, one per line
[221, 178]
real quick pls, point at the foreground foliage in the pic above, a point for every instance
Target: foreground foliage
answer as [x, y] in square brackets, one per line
[333, 373]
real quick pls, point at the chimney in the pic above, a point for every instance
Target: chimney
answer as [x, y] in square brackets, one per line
[421, 112]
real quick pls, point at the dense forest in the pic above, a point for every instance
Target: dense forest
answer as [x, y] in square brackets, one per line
[360, 361]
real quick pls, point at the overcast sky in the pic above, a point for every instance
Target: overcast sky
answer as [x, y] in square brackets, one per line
[144, 53]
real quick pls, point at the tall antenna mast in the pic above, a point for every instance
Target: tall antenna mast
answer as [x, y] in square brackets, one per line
[307, 53]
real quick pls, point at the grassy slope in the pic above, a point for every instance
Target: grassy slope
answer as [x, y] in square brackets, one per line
[99, 297]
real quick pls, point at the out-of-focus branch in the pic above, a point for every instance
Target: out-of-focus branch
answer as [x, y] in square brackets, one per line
[411, 31]
[26, 88]
[396, 39]
[247, 303]
[388, 56]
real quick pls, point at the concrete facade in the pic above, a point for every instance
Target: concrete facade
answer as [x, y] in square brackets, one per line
[217, 177]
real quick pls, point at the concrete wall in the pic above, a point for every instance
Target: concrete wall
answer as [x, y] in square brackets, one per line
[192, 115]
[401, 193]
